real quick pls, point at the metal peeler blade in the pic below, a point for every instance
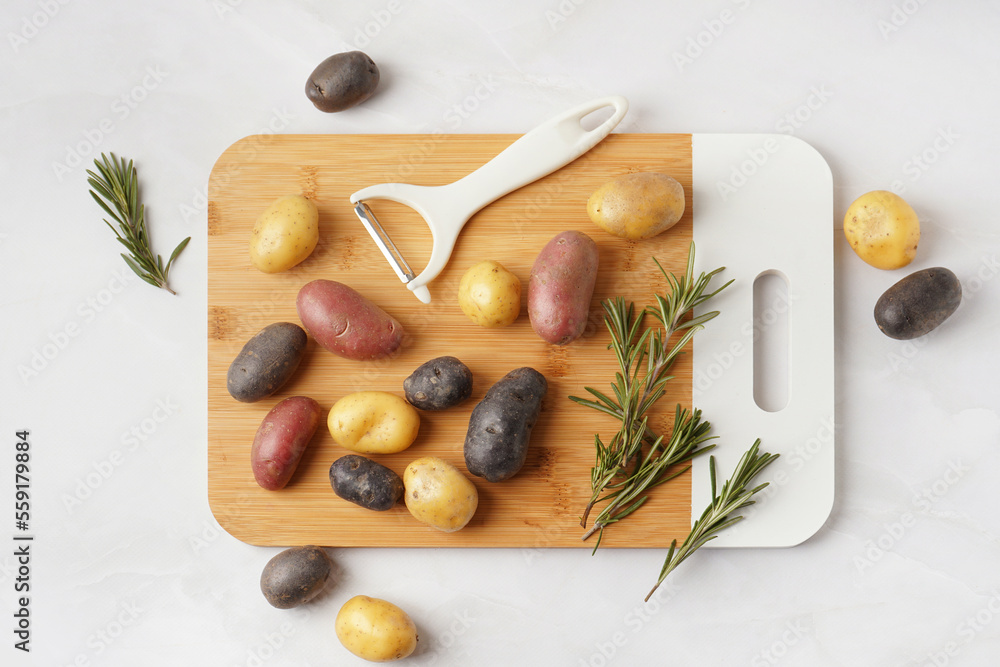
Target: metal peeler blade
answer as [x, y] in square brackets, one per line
[384, 243]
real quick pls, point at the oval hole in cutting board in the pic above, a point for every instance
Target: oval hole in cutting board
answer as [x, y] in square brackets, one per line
[770, 340]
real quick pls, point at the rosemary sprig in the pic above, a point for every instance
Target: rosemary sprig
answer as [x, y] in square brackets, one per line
[656, 466]
[718, 515]
[622, 473]
[116, 186]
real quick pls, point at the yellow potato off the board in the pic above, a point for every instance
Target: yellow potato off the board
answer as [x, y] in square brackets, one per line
[882, 229]
[375, 629]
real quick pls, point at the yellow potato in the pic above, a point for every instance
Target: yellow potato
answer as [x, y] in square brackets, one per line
[438, 494]
[490, 295]
[285, 234]
[373, 422]
[375, 630]
[882, 229]
[637, 206]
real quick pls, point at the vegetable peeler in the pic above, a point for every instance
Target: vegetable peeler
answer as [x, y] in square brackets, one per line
[446, 208]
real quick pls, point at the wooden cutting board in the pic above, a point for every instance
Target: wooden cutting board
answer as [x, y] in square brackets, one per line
[542, 505]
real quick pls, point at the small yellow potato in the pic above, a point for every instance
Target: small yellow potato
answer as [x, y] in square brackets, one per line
[373, 422]
[285, 234]
[637, 206]
[882, 229]
[490, 295]
[375, 630]
[438, 494]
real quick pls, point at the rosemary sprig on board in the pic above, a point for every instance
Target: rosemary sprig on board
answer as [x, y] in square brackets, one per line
[719, 514]
[116, 186]
[656, 466]
[623, 474]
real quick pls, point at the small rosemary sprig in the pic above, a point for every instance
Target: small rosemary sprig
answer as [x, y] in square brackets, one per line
[656, 466]
[718, 515]
[116, 186]
[622, 474]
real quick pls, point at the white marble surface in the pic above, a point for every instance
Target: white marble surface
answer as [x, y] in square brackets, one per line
[128, 565]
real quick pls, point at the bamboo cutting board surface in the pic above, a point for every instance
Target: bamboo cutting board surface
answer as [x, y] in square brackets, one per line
[542, 505]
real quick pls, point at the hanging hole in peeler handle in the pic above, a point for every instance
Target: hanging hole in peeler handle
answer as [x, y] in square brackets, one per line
[596, 118]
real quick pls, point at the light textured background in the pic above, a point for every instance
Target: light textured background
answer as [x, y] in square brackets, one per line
[129, 566]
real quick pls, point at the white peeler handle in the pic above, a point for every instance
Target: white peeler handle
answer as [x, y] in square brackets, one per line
[446, 208]
[543, 150]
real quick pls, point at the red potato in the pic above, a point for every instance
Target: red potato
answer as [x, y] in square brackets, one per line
[561, 287]
[345, 322]
[281, 440]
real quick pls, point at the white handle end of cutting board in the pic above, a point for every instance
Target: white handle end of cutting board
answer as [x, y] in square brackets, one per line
[763, 204]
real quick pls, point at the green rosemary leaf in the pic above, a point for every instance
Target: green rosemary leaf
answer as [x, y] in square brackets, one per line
[132, 265]
[734, 496]
[645, 355]
[177, 251]
[115, 187]
[636, 459]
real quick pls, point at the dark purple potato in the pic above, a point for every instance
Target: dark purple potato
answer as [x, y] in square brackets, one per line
[438, 384]
[496, 444]
[918, 303]
[342, 81]
[366, 483]
[266, 362]
[295, 576]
